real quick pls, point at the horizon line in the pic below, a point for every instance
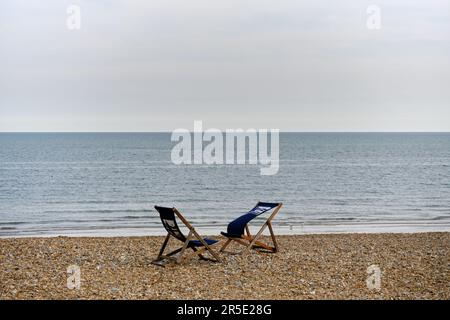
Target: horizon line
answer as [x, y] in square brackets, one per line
[286, 131]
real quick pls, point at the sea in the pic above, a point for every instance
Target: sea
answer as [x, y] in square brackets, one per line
[107, 184]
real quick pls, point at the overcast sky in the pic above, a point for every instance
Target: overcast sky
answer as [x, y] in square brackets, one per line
[157, 65]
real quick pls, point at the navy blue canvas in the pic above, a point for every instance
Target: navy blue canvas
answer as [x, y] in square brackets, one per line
[236, 227]
[169, 222]
[197, 243]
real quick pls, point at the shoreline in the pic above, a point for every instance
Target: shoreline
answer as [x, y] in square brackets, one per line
[309, 266]
[312, 229]
[209, 235]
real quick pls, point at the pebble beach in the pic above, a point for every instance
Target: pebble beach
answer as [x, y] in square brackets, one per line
[321, 266]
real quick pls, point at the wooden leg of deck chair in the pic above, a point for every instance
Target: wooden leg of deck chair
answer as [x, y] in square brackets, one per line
[255, 242]
[170, 254]
[185, 257]
[246, 244]
[267, 224]
[240, 241]
[247, 229]
[184, 246]
[173, 252]
[200, 256]
[192, 230]
[257, 236]
[199, 253]
[259, 244]
[213, 253]
[161, 255]
[272, 234]
[229, 240]
[163, 247]
[225, 245]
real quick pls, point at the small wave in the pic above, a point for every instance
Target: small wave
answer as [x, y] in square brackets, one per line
[99, 211]
[336, 219]
[441, 218]
[12, 223]
[103, 202]
[135, 217]
[339, 203]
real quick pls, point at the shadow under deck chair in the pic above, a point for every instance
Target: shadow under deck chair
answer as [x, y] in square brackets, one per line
[193, 241]
[235, 229]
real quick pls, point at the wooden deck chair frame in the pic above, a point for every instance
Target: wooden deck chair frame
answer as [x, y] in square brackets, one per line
[177, 234]
[252, 242]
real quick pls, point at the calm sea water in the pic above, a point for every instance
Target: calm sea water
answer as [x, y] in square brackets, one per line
[107, 184]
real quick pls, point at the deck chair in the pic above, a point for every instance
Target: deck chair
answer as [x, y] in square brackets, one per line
[235, 229]
[193, 241]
